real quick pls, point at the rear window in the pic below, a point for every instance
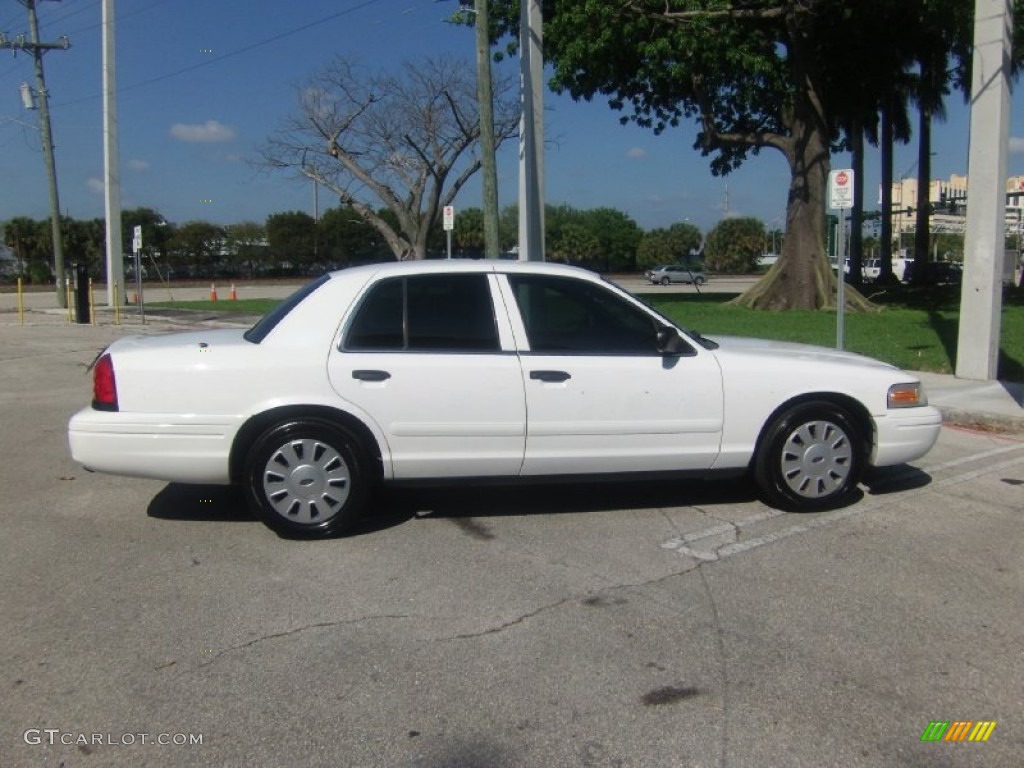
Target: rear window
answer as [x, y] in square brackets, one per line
[269, 321]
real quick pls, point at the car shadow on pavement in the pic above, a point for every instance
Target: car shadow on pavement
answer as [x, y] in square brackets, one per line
[395, 506]
[880, 481]
[475, 500]
[214, 503]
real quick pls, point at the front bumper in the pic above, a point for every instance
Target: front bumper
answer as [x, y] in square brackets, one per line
[903, 435]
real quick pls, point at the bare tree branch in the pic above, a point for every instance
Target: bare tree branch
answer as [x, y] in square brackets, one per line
[392, 139]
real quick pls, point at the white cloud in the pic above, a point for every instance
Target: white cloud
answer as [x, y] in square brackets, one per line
[95, 185]
[208, 132]
[1017, 145]
[636, 153]
[138, 165]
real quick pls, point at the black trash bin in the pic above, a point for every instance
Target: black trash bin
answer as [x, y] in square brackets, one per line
[82, 293]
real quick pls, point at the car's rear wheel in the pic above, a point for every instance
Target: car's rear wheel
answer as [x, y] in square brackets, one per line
[665, 281]
[811, 458]
[307, 478]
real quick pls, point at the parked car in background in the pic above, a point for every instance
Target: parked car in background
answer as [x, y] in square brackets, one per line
[676, 273]
[872, 269]
[453, 370]
[939, 272]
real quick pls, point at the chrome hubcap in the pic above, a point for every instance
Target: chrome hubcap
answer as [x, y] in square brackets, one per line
[816, 459]
[306, 481]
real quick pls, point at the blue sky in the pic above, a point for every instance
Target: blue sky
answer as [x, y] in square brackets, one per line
[202, 83]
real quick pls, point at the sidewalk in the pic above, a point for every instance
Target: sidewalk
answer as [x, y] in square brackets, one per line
[989, 404]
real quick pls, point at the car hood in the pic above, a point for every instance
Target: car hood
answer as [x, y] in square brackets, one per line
[780, 351]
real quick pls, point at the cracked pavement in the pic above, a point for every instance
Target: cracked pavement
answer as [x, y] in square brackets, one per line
[668, 624]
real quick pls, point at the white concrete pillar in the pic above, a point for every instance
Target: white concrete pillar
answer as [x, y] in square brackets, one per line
[981, 299]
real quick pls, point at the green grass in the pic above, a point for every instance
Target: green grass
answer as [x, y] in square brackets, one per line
[915, 330]
[244, 306]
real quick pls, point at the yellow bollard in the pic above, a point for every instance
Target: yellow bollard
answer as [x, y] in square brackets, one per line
[92, 305]
[21, 304]
[67, 297]
[117, 304]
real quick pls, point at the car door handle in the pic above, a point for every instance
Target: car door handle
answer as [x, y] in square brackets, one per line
[371, 375]
[550, 375]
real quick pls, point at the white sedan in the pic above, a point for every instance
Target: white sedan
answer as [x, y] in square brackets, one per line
[412, 371]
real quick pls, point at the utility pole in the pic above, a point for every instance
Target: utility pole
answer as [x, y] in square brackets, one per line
[112, 163]
[485, 97]
[531, 133]
[37, 48]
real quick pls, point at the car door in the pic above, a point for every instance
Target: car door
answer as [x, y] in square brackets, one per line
[599, 395]
[425, 356]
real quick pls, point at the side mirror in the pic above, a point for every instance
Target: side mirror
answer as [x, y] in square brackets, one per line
[669, 341]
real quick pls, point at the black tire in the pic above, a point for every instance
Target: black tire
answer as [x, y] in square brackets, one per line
[698, 281]
[665, 281]
[810, 458]
[307, 478]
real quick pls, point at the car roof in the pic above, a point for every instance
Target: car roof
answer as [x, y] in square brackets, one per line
[426, 266]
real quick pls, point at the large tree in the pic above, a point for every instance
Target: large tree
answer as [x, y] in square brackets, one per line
[755, 74]
[407, 140]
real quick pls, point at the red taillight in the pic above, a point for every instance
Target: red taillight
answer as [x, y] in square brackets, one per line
[104, 386]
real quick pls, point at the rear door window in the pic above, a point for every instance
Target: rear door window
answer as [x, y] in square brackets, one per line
[444, 313]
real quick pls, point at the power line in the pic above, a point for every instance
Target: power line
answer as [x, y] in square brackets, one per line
[231, 54]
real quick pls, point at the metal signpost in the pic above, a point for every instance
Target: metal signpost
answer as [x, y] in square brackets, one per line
[136, 249]
[840, 197]
[449, 225]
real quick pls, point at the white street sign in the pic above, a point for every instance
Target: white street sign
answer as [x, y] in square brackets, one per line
[840, 189]
[449, 218]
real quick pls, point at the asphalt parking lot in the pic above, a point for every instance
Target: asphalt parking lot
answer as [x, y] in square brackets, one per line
[675, 624]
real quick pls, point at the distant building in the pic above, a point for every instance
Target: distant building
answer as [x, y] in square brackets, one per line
[949, 205]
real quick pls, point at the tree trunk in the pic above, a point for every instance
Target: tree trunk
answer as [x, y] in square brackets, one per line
[802, 277]
[885, 266]
[922, 219]
[857, 212]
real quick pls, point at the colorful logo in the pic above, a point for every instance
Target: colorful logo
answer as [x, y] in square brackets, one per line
[958, 730]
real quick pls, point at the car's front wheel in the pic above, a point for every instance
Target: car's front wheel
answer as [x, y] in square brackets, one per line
[698, 281]
[665, 281]
[307, 478]
[810, 458]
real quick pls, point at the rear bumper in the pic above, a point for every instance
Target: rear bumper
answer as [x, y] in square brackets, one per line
[905, 435]
[180, 448]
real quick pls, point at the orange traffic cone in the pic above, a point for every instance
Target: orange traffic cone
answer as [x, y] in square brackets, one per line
[234, 296]
[213, 292]
[135, 298]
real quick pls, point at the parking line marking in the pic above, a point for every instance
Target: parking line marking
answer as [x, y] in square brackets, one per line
[678, 543]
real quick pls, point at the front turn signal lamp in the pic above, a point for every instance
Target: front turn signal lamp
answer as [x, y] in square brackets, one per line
[910, 395]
